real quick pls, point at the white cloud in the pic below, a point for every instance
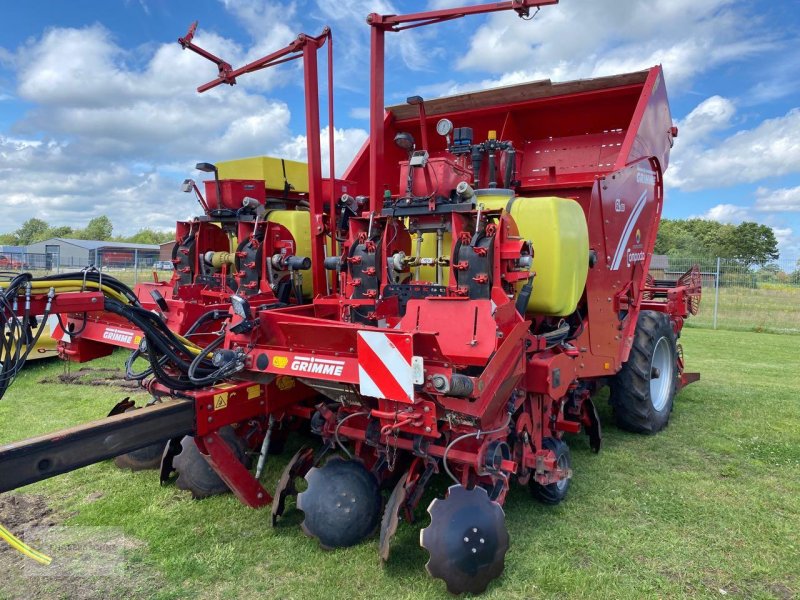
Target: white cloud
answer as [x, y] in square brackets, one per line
[725, 213]
[711, 115]
[780, 200]
[586, 38]
[788, 243]
[346, 143]
[51, 181]
[109, 134]
[359, 112]
[770, 149]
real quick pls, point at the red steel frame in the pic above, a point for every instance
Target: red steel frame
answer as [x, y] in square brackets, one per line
[554, 384]
[282, 396]
[94, 340]
[511, 369]
[305, 47]
[519, 372]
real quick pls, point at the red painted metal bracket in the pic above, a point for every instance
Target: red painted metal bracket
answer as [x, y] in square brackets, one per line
[225, 463]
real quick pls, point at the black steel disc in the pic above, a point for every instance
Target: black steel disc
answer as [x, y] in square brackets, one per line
[467, 540]
[166, 469]
[297, 467]
[196, 474]
[342, 504]
[391, 517]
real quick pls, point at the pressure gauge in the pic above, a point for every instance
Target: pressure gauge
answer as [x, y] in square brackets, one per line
[444, 127]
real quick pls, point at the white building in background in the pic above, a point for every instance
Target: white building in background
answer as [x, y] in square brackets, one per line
[66, 252]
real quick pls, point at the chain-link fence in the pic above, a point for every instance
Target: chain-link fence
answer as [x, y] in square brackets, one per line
[741, 296]
[736, 295]
[128, 266]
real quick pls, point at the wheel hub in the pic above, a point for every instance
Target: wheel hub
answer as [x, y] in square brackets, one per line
[661, 374]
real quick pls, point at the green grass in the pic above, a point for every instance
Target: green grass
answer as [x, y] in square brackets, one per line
[710, 504]
[769, 308]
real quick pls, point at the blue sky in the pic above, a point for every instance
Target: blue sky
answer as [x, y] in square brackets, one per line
[98, 113]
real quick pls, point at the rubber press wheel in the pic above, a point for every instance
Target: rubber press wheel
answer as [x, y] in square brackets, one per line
[194, 472]
[643, 391]
[148, 457]
[554, 493]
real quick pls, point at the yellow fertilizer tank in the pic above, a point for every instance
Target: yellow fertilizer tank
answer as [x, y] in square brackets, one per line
[273, 171]
[557, 229]
[298, 222]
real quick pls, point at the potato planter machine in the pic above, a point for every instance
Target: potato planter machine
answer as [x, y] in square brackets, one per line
[480, 271]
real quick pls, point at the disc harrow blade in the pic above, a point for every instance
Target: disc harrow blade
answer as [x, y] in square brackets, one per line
[467, 540]
[297, 467]
[391, 517]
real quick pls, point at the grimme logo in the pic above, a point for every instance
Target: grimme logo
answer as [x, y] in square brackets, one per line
[645, 175]
[118, 335]
[307, 364]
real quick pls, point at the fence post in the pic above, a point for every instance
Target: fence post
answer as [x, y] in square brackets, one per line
[135, 266]
[716, 293]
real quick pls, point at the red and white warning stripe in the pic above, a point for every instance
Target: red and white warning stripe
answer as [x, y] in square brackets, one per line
[56, 332]
[386, 366]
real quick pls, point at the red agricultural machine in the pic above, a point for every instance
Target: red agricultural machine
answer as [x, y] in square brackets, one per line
[477, 276]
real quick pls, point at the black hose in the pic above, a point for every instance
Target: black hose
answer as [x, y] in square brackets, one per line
[220, 373]
[165, 351]
[212, 315]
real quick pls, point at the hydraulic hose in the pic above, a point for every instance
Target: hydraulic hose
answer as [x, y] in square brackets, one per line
[220, 373]
[20, 546]
[475, 434]
[212, 315]
[170, 355]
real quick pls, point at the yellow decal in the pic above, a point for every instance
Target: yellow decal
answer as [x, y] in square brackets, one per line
[254, 391]
[220, 400]
[137, 339]
[279, 362]
[284, 383]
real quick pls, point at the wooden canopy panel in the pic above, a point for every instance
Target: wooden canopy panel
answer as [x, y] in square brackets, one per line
[513, 94]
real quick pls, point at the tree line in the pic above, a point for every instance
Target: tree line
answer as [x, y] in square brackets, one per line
[748, 243]
[100, 228]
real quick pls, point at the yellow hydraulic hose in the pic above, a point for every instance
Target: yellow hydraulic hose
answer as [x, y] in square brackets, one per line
[77, 285]
[20, 546]
[190, 345]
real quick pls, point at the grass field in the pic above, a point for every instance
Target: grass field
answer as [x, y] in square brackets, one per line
[770, 309]
[708, 508]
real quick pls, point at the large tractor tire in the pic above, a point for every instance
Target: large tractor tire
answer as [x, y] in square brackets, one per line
[643, 391]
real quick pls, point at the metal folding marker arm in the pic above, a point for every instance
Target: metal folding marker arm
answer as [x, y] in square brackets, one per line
[383, 23]
[305, 47]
